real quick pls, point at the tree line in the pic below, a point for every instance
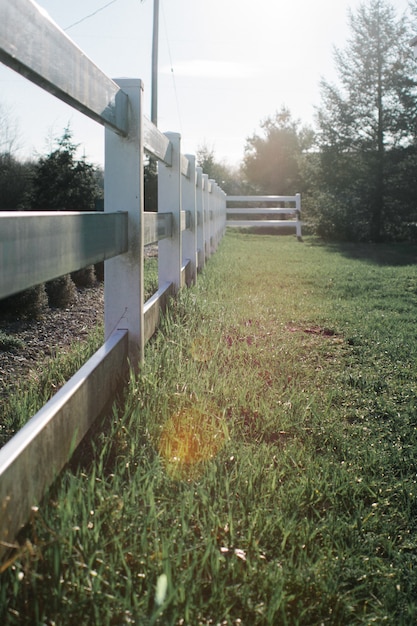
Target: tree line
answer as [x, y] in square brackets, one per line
[356, 168]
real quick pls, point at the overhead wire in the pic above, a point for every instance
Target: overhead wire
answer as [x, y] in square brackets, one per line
[172, 67]
[90, 15]
[102, 8]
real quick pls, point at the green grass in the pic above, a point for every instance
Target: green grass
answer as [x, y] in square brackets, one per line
[10, 343]
[264, 461]
[42, 383]
[21, 403]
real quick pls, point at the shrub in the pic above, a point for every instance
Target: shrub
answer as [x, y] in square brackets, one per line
[29, 303]
[86, 277]
[61, 292]
[9, 343]
[99, 269]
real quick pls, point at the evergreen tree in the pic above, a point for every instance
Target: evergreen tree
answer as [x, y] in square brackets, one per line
[63, 183]
[367, 123]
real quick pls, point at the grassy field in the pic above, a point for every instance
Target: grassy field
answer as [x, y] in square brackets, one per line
[261, 469]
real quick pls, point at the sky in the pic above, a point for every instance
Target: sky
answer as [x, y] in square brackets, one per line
[224, 66]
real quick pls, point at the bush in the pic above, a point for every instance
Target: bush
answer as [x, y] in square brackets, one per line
[85, 277]
[61, 292]
[9, 343]
[99, 269]
[28, 304]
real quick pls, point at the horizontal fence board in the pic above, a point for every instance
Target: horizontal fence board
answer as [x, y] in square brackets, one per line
[263, 223]
[261, 198]
[32, 459]
[33, 45]
[265, 210]
[38, 246]
[156, 143]
[153, 308]
[156, 226]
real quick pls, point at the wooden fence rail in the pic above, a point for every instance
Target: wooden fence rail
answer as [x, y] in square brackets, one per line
[36, 247]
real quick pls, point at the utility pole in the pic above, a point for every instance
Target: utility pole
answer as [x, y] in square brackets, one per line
[154, 98]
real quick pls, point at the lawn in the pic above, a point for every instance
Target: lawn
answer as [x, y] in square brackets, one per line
[262, 467]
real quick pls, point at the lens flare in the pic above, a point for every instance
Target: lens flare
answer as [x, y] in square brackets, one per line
[192, 436]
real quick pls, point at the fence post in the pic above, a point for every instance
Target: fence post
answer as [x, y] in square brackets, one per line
[123, 191]
[212, 214]
[298, 208]
[224, 212]
[207, 252]
[169, 201]
[200, 218]
[189, 242]
[216, 216]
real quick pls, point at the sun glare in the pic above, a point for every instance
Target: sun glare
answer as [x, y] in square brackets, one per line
[192, 436]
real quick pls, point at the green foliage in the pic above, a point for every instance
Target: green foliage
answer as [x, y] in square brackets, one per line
[85, 277]
[306, 512]
[9, 343]
[15, 183]
[227, 177]
[367, 129]
[63, 183]
[272, 159]
[30, 303]
[61, 292]
[151, 185]
[33, 391]
[150, 285]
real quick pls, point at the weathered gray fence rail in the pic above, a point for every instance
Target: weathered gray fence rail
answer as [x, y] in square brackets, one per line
[36, 247]
[246, 217]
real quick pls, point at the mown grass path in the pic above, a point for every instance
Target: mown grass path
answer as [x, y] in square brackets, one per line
[262, 467]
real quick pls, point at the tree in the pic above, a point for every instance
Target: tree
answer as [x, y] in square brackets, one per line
[15, 183]
[9, 131]
[367, 122]
[271, 164]
[227, 177]
[63, 183]
[15, 176]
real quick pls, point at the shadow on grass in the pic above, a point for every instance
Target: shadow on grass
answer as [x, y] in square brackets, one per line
[387, 254]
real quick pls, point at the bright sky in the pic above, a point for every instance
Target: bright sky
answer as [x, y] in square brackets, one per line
[224, 66]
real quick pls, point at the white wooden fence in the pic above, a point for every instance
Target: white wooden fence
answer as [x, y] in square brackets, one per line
[36, 247]
[246, 217]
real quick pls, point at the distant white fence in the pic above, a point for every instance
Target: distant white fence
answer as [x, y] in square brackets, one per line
[246, 217]
[36, 247]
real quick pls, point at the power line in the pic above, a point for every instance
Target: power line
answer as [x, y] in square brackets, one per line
[90, 15]
[172, 69]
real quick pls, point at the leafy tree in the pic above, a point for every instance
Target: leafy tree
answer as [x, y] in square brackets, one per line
[9, 131]
[15, 176]
[63, 183]
[367, 126]
[227, 177]
[271, 164]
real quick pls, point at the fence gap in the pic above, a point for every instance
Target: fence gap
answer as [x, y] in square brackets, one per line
[169, 201]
